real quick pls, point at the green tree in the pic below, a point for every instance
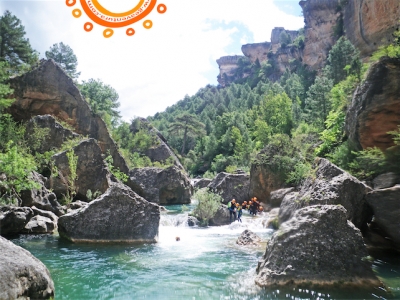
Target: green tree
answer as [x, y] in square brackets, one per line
[15, 49]
[343, 60]
[65, 57]
[189, 125]
[103, 100]
[318, 102]
[284, 39]
[5, 89]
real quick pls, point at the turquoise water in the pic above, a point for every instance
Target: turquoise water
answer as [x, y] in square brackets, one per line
[205, 264]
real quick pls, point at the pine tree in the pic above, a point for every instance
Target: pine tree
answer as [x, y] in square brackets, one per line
[65, 57]
[15, 49]
[189, 124]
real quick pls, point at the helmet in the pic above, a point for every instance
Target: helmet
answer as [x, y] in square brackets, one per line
[233, 200]
[244, 202]
[261, 208]
[249, 202]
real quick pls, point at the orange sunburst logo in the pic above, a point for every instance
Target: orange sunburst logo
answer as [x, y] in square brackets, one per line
[103, 17]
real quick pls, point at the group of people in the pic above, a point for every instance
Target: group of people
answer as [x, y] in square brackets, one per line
[236, 209]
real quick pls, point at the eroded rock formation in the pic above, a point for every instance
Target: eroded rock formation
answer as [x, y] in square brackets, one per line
[333, 186]
[47, 89]
[227, 68]
[370, 23]
[320, 18]
[92, 172]
[248, 238]
[231, 186]
[162, 186]
[375, 107]
[318, 246]
[22, 275]
[119, 215]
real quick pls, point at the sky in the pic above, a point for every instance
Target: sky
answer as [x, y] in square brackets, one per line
[156, 67]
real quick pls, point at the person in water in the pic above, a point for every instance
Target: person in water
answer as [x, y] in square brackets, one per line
[254, 206]
[232, 210]
[239, 212]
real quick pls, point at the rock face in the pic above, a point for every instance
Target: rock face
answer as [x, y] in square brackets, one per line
[385, 180]
[302, 251]
[375, 107]
[331, 186]
[159, 152]
[231, 186]
[42, 198]
[14, 219]
[257, 51]
[48, 90]
[227, 69]
[248, 238]
[42, 222]
[277, 196]
[57, 134]
[385, 204]
[162, 186]
[370, 23]
[201, 183]
[264, 180]
[91, 171]
[22, 275]
[320, 18]
[221, 217]
[119, 215]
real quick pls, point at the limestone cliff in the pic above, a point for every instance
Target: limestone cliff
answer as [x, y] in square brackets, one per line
[370, 23]
[375, 108]
[320, 18]
[237, 67]
[228, 65]
[48, 90]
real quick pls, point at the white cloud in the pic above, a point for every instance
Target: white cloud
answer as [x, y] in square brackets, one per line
[154, 68]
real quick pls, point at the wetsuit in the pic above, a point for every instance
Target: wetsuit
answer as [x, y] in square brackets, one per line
[232, 211]
[239, 211]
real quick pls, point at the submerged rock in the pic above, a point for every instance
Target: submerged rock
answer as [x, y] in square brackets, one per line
[385, 204]
[317, 246]
[162, 186]
[192, 221]
[248, 238]
[119, 215]
[14, 219]
[22, 275]
[332, 186]
[231, 186]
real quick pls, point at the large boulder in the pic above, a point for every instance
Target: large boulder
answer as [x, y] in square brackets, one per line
[56, 133]
[375, 107]
[14, 219]
[162, 186]
[385, 180]
[385, 204]
[277, 196]
[264, 178]
[160, 151]
[317, 246]
[333, 186]
[47, 89]
[119, 215]
[22, 275]
[248, 238]
[221, 217]
[201, 183]
[42, 222]
[231, 186]
[41, 197]
[92, 172]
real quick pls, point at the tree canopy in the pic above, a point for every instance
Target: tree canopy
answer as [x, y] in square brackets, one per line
[15, 49]
[65, 57]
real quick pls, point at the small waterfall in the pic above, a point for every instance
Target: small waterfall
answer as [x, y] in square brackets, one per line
[174, 220]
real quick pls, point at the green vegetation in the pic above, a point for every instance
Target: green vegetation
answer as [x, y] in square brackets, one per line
[208, 204]
[15, 49]
[115, 171]
[63, 55]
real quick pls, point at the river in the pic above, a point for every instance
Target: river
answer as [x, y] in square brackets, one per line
[205, 264]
